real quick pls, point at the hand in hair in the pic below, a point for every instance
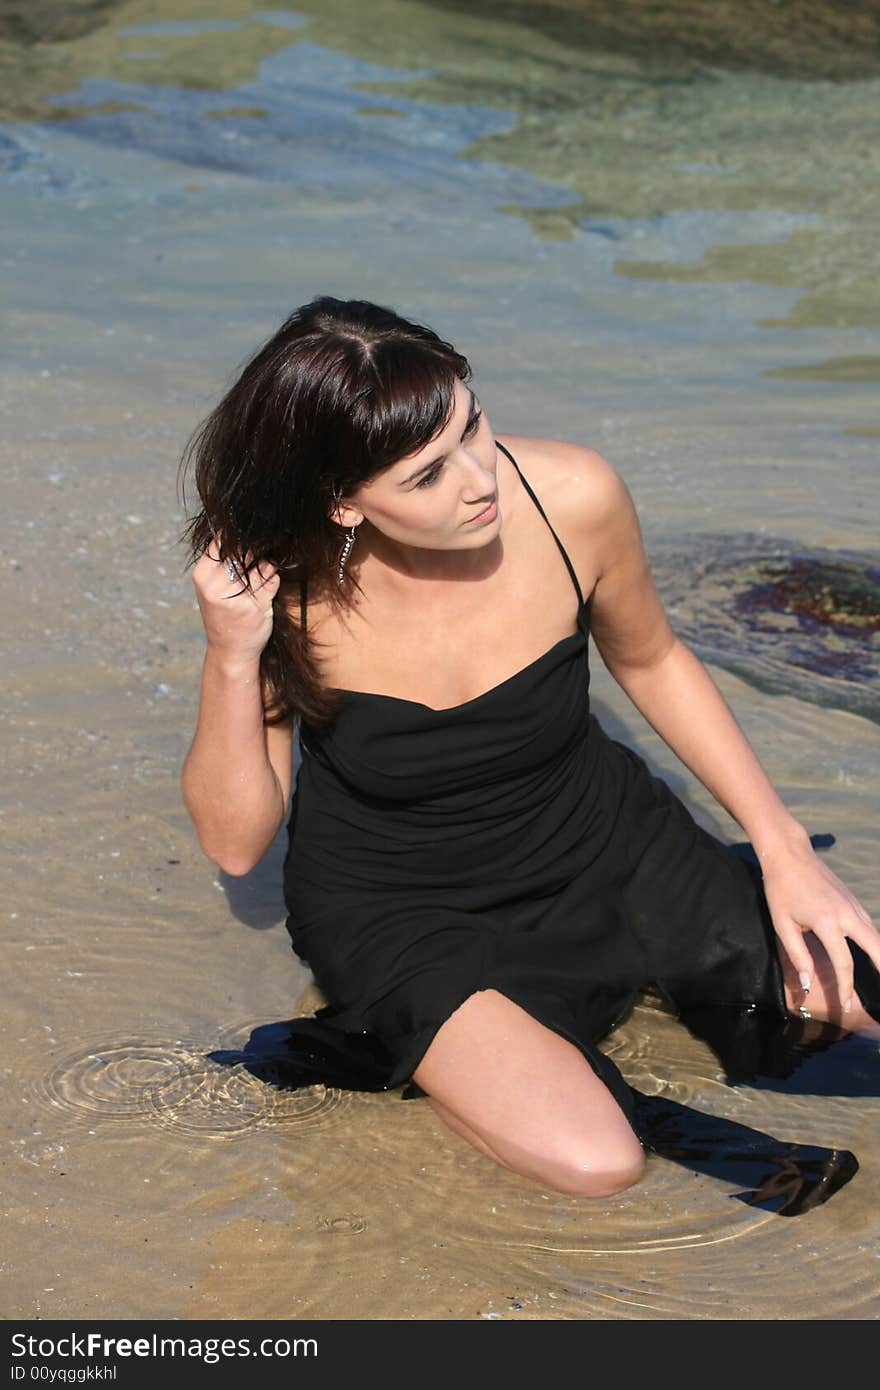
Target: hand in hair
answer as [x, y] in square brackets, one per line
[237, 613]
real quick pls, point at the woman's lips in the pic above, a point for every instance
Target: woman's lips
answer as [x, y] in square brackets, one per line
[488, 514]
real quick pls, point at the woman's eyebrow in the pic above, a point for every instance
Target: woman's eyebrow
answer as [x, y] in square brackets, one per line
[425, 466]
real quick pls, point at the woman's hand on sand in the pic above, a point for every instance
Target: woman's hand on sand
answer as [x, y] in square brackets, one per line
[804, 895]
[238, 620]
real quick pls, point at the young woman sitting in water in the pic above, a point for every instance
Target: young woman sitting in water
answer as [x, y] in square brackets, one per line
[477, 875]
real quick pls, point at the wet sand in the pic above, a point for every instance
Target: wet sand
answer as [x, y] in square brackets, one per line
[146, 253]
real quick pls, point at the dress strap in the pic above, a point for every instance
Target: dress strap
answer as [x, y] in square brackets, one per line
[569, 566]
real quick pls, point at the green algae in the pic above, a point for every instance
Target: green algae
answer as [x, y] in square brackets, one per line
[865, 369]
[840, 295]
[37, 68]
[228, 113]
[103, 108]
[380, 111]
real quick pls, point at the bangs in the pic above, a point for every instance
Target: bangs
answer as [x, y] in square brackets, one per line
[408, 401]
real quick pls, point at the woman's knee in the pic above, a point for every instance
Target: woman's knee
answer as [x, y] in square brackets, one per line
[526, 1097]
[590, 1171]
[597, 1165]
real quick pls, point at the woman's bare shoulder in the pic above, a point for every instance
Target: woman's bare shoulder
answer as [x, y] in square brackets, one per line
[575, 482]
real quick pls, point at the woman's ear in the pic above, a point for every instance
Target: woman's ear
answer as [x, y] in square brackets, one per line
[344, 514]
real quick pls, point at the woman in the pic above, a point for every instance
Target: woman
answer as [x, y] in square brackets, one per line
[477, 875]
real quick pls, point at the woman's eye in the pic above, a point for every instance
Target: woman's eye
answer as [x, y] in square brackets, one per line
[431, 477]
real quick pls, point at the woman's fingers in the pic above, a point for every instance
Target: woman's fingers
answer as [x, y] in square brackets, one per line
[231, 596]
[236, 570]
[797, 951]
[262, 584]
[809, 898]
[268, 576]
[262, 568]
[834, 941]
[860, 911]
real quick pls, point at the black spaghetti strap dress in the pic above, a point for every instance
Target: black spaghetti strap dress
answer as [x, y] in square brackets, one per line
[509, 843]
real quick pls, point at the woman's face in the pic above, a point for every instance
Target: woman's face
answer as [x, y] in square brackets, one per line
[444, 496]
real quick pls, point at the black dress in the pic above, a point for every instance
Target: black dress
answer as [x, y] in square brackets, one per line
[509, 843]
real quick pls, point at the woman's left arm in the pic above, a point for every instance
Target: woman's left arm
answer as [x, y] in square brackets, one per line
[670, 686]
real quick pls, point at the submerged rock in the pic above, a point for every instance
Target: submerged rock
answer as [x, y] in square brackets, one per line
[52, 21]
[791, 38]
[788, 621]
[841, 596]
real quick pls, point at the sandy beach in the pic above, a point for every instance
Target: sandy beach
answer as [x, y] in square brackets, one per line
[650, 253]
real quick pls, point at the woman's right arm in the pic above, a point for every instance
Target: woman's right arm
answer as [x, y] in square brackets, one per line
[236, 776]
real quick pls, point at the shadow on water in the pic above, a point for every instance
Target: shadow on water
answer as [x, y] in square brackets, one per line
[788, 1179]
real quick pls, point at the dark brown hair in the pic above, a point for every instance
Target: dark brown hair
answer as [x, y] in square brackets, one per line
[343, 390]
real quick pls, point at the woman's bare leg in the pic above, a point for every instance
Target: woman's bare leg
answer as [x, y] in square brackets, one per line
[528, 1099]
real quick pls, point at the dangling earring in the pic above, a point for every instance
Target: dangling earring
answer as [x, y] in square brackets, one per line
[346, 551]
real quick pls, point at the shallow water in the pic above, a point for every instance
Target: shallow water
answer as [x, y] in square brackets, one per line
[683, 290]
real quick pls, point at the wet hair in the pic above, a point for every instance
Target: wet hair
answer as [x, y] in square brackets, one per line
[344, 389]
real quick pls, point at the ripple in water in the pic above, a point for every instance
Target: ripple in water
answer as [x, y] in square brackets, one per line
[665, 1245]
[789, 621]
[783, 1177]
[180, 1087]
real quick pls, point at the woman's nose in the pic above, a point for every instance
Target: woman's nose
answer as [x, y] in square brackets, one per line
[478, 480]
